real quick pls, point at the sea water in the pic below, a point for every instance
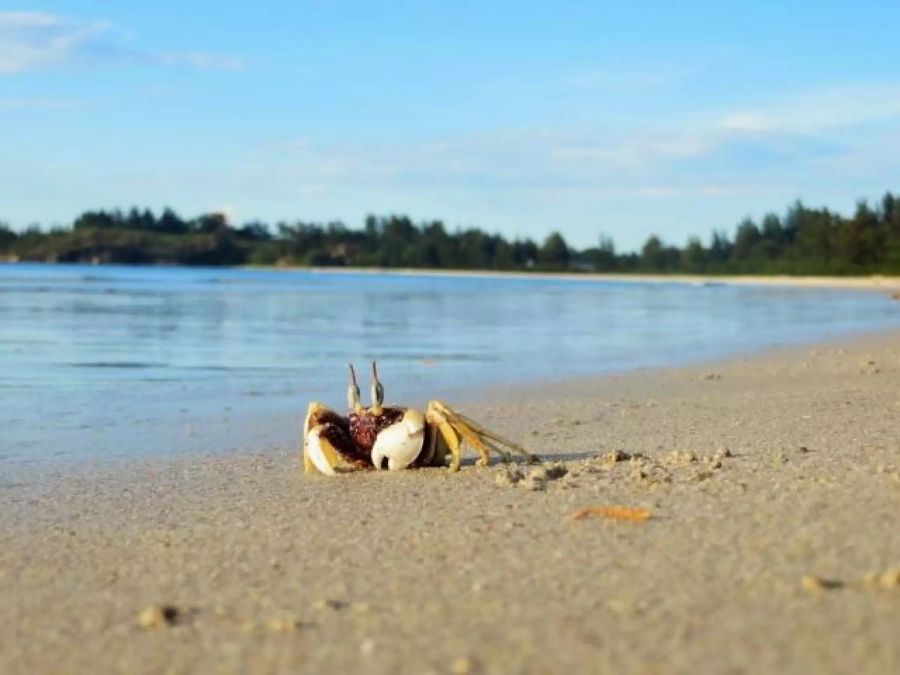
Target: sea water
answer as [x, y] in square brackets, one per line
[113, 361]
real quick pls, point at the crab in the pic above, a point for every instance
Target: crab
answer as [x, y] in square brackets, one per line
[395, 437]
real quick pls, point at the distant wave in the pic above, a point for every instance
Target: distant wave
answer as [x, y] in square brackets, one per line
[117, 364]
[94, 278]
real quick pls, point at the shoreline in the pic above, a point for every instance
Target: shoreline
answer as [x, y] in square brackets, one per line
[285, 416]
[875, 282]
[871, 282]
[773, 547]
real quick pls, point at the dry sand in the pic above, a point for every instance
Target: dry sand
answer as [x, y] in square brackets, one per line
[874, 282]
[773, 559]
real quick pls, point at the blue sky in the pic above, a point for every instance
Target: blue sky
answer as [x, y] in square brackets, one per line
[519, 117]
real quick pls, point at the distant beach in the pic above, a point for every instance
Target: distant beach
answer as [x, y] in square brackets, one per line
[771, 485]
[870, 282]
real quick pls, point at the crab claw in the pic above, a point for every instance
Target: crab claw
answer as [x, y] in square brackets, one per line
[400, 443]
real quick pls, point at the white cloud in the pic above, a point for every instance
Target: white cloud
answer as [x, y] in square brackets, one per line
[27, 19]
[35, 40]
[819, 111]
[30, 40]
[198, 60]
[784, 144]
[746, 122]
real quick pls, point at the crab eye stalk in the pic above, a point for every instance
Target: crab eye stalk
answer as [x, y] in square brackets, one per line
[377, 390]
[353, 392]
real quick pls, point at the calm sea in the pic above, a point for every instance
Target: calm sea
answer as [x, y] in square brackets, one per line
[119, 361]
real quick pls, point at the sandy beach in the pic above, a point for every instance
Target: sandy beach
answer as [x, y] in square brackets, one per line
[877, 282]
[772, 484]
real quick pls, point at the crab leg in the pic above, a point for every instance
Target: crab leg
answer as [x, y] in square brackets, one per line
[476, 435]
[484, 452]
[448, 433]
[474, 427]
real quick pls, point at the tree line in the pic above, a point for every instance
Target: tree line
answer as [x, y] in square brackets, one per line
[801, 241]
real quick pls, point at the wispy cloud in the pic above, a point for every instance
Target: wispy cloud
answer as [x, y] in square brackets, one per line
[632, 77]
[38, 40]
[198, 60]
[819, 111]
[728, 152]
[39, 103]
[30, 40]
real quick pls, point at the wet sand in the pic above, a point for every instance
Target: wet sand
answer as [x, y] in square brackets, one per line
[773, 484]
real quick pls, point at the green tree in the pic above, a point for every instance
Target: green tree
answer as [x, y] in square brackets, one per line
[95, 219]
[554, 254]
[719, 250]
[746, 240]
[254, 231]
[208, 223]
[774, 239]
[170, 223]
[862, 238]
[652, 253]
[7, 237]
[694, 257]
[604, 256]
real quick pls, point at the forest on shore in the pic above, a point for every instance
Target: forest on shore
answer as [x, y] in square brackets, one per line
[801, 241]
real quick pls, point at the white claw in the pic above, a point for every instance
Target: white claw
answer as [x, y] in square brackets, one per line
[400, 443]
[313, 450]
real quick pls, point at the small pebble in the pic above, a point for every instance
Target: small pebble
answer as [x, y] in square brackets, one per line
[616, 456]
[680, 457]
[811, 584]
[539, 473]
[568, 482]
[282, 625]
[509, 475]
[890, 579]
[158, 616]
[461, 666]
[817, 584]
[555, 470]
[535, 483]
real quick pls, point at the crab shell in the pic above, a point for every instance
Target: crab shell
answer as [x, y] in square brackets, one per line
[393, 434]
